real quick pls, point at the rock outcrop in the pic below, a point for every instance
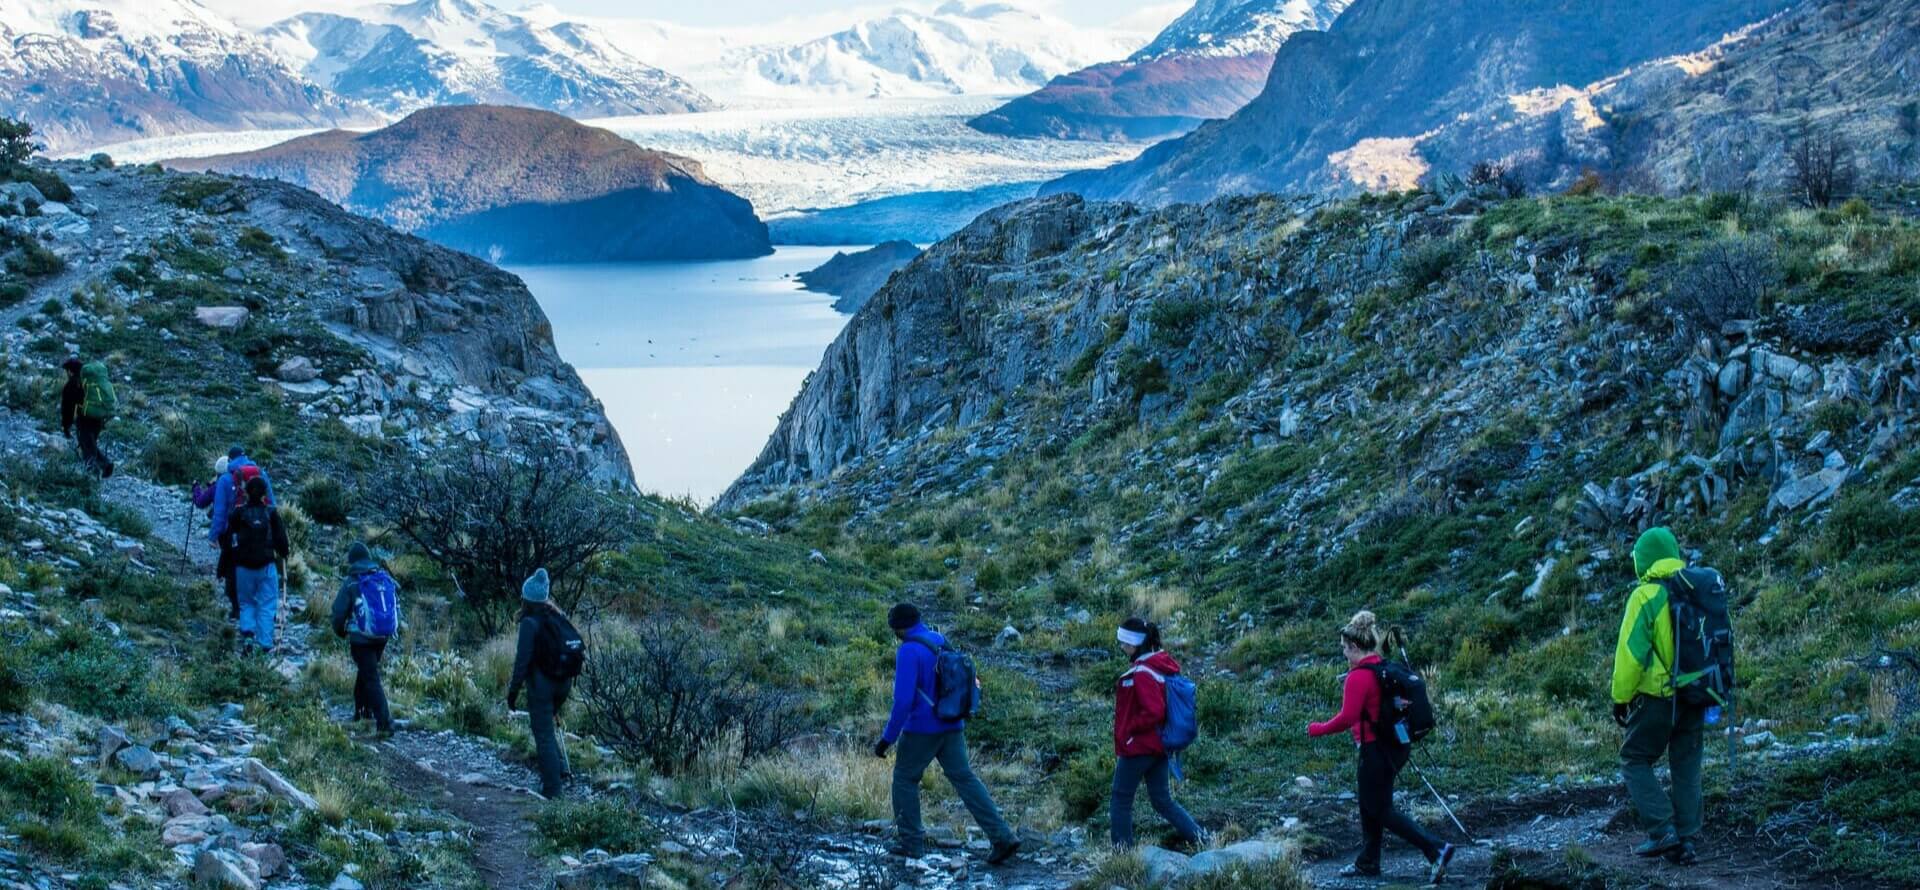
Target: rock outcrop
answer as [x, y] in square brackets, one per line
[516, 185]
[854, 277]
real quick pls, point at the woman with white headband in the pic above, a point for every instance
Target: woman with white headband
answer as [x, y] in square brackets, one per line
[1139, 712]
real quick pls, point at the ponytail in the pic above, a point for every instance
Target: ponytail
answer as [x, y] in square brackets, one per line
[1146, 629]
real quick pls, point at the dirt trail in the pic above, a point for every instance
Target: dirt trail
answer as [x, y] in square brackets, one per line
[467, 778]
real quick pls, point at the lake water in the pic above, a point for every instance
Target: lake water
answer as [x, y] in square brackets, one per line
[694, 361]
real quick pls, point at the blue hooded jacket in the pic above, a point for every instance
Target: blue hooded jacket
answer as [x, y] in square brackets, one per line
[913, 666]
[225, 498]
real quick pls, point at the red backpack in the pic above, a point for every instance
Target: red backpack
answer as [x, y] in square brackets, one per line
[241, 475]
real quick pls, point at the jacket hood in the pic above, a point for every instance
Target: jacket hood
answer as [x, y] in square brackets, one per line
[923, 631]
[1654, 546]
[1160, 663]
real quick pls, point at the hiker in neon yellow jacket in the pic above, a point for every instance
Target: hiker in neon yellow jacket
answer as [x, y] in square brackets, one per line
[1656, 722]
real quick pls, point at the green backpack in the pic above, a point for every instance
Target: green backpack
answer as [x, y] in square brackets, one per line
[100, 402]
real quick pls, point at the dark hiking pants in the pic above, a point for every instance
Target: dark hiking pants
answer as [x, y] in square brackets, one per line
[545, 697]
[1380, 765]
[1154, 769]
[87, 432]
[369, 696]
[1659, 727]
[913, 754]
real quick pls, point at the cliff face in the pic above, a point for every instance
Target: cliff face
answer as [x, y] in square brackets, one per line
[518, 185]
[1362, 104]
[205, 287]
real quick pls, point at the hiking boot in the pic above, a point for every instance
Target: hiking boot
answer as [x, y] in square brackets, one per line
[1438, 871]
[1684, 854]
[905, 852]
[1659, 846]
[1360, 871]
[1002, 851]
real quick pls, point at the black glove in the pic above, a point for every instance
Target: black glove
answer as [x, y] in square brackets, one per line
[1620, 715]
[881, 747]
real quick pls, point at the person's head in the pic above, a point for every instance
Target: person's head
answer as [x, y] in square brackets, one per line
[1655, 544]
[256, 490]
[903, 618]
[1138, 636]
[220, 466]
[537, 591]
[72, 365]
[1363, 636]
[359, 557]
[236, 452]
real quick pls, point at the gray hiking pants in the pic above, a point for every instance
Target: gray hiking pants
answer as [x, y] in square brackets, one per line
[914, 753]
[1657, 727]
[545, 697]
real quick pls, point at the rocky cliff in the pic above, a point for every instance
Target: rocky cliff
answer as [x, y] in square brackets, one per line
[1396, 90]
[516, 185]
[209, 290]
[854, 277]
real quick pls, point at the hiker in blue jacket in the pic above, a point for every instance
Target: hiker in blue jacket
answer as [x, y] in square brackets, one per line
[226, 497]
[924, 738]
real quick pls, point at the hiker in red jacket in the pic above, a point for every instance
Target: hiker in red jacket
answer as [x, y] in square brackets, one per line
[1381, 757]
[1139, 711]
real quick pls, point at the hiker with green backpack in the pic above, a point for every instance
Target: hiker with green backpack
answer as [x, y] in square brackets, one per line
[1384, 704]
[935, 690]
[97, 406]
[547, 657]
[1154, 718]
[366, 612]
[1672, 674]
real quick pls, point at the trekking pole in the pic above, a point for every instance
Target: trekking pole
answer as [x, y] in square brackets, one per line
[1443, 803]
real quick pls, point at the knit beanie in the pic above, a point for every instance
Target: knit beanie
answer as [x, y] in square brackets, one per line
[903, 616]
[535, 590]
[236, 452]
[358, 554]
[220, 465]
[1655, 544]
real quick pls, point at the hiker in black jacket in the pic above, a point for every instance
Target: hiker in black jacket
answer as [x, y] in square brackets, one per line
[71, 396]
[256, 541]
[542, 665]
[357, 621]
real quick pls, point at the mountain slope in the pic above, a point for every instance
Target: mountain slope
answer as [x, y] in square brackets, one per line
[855, 277]
[1345, 107]
[402, 57]
[956, 49]
[1206, 65]
[90, 72]
[516, 184]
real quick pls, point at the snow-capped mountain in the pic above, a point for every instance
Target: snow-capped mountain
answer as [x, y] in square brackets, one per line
[90, 72]
[1241, 27]
[992, 48]
[404, 56]
[1205, 65]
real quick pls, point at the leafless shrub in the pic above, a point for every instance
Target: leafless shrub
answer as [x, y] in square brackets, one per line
[1727, 282]
[665, 696]
[1822, 169]
[1497, 178]
[489, 517]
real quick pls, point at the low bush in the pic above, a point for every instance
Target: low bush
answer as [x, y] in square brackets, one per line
[34, 260]
[325, 500]
[568, 826]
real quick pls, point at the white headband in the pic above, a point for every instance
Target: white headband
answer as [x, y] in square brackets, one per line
[1130, 637]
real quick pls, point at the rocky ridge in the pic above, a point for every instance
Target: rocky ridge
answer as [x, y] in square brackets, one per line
[854, 277]
[387, 334]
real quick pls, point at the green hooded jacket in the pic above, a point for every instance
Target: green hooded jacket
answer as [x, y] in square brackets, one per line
[1645, 649]
[100, 402]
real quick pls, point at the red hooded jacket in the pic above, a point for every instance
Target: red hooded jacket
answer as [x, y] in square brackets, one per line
[1140, 705]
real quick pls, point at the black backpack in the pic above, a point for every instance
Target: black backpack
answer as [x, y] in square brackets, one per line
[1406, 711]
[559, 652]
[252, 529]
[956, 685]
[1702, 673]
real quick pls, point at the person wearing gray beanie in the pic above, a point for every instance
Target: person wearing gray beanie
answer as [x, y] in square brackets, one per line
[547, 656]
[366, 612]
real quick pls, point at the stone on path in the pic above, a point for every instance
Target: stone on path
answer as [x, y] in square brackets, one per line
[618, 872]
[1165, 867]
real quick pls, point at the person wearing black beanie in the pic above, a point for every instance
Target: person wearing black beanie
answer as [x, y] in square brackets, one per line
[924, 738]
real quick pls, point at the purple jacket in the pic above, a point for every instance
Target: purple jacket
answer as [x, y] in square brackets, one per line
[913, 675]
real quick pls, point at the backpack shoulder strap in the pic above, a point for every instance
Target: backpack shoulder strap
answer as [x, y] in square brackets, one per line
[1143, 669]
[927, 643]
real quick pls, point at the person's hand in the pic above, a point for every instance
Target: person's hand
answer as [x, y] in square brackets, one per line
[1620, 715]
[881, 747]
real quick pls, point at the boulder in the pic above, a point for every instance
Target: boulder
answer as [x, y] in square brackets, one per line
[1752, 415]
[222, 318]
[1810, 490]
[1163, 865]
[138, 759]
[1243, 853]
[181, 802]
[274, 782]
[270, 859]
[111, 741]
[344, 881]
[184, 830]
[298, 369]
[218, 868]
[629, 870]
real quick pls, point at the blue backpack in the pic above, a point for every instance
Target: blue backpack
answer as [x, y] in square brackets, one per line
[1183, 714]
[956, 687]
[377, 614]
